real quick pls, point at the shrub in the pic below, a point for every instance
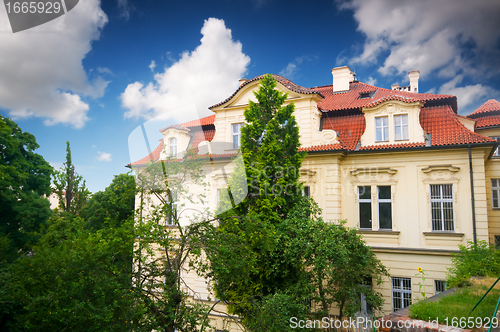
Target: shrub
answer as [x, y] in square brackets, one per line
[474, 260]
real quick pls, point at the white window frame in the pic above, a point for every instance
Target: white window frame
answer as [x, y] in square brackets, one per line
[441, 200]
[495, 189]
[375, 201]
[365, 200]
[236, 134]
[382, 128]
[497, 150]
[401, 127]
[399, 287]
[172, 144]
[383, 200]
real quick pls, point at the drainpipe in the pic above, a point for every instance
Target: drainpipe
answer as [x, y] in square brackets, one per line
[472, 197]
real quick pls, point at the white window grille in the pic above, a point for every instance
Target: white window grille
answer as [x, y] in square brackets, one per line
[237, 135]
[442, 207]
[173, 146]
[401, 127]
[495, 193]
[382, 129]
[401, 293]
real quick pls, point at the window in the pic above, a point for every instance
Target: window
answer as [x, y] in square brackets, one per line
[237, 135]
[497, 152]
[365, 206]
[307, 191]
[495, 193]
[497, 241]
[439, 286]
[384, 207]
[172, 143]
[442, 207]
[401, 127]
[401, 293]
[382, 129]
[172, 209]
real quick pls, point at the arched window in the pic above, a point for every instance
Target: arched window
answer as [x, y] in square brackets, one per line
[173, 146]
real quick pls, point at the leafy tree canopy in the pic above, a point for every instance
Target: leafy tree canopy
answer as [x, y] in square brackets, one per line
[112, 206]
[70, 187]
[274, 246]
[24, 179]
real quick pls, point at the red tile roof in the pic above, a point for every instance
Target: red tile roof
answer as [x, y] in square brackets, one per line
[324, 147]
[487, 115]
[198, 136]
[208, 120]
[152, 157]
[440, 121]
[491, 106]
[282, 80]
[488, 121]
[349, 129]
[446, 129]
[350, 100]
[405, 145]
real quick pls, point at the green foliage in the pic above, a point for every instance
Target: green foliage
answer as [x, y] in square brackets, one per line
[70, 187]
[24, 179]
[112, 206]
[163, 248]
[473, 261]
[270, 148]
[274, 246]
[275, 312]
[458, 306]
[73, 280]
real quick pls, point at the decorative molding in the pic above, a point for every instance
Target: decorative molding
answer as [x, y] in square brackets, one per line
[374, 175]
[310, 176]
[440, 168]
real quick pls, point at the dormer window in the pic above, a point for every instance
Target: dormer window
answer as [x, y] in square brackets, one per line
[401, 127]
[382, 129]
[172, 143]
[366, 94]
[237, 135]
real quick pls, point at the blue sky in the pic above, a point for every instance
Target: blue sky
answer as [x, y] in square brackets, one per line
[95, 74]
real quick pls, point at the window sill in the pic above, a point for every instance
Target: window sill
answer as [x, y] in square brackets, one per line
[444, 234]
[380, 231]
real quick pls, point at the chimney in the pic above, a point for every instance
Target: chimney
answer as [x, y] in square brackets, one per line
[414, 75]
[242, 81]
[395, 87]
[342, 76]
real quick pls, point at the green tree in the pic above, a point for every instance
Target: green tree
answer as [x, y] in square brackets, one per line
[69, 186]
[113, 206]
[24, 179]
[164, 247]
[274, 245]
[74, 280]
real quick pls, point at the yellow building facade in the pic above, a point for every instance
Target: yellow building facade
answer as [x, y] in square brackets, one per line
[414, 177]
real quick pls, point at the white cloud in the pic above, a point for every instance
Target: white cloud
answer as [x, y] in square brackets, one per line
[466, 95]
[104, 70]
[448, 36]
[124, 8]
[203, 77]
[371, 81]
[41, 68]
[293, 67]
[152, 66]
[103, 156]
